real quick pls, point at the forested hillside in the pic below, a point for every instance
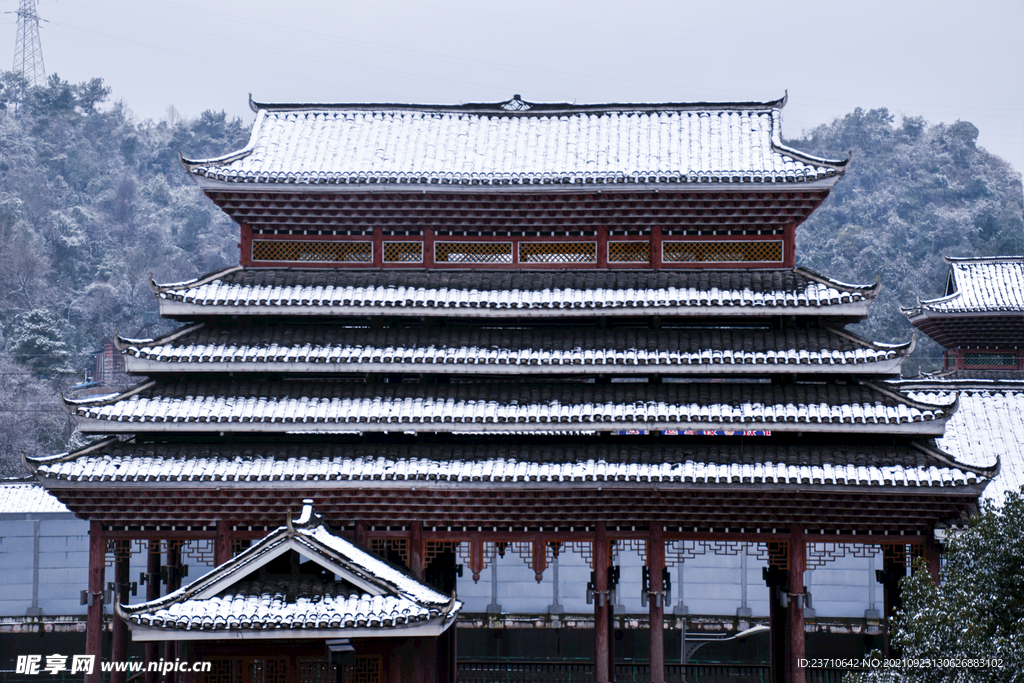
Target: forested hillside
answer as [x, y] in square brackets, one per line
[93, 200]
[914, 192]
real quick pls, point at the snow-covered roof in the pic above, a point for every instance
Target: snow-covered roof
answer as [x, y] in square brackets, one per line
[986, 429]
[915, 464]
[986, 284]
[261, 291]
[312, 406]
[515, 143]
[26, 497]
[368, 598]
[347, 348]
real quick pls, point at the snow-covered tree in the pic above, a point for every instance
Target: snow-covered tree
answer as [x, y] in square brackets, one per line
[976, 615]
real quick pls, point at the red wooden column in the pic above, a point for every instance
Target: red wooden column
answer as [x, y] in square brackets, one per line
[378, 247]
[94, 618]
[173, 584]
[245, 245]
[119, 647]
[656, 602]
[797, 638]
[428, 247]
[152, 593]
[222, 546]
[602, 247]
[416, 550]
[656, 247]
[602, 616]
[789, 246]
[933, 557]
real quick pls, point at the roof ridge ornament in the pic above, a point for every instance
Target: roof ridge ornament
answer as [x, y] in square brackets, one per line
[517, 103]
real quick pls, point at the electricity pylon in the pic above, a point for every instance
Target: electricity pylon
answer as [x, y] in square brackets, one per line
[28, 52]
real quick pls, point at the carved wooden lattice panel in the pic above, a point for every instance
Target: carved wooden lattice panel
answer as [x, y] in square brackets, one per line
[223, 671]
[558, 252]
[584, 549]
[1000, 359]
[403, 252]
[313, 670]
[629, 252]
[383, 547]
[774, 554]
[435, 548]
[636, 545]
[239, 545]
[269, 670]
[721, 252]
[367, 669]
[307, 251]
[201, 550]
[473, 252]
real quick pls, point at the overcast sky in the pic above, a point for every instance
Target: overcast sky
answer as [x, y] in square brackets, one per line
[940, 59]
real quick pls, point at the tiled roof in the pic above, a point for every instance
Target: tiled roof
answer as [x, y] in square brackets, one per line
[269, 605]
[509, 293]
[980, 285]
[986, 429]
[539, 144]
[215, 348]
[286, 406]
[370, 598]
[553, 463]
[21, 497]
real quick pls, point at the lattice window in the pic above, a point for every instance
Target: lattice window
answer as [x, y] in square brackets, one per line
[629, 252]
[313, 670]
[584, 549]
[721, 252]
[239, 545]
[636, 545]
[1004, 360]
[820, 554]
[384, 547]
[367, 669]
[473, 252]
[312, 251]
[223, 671]
[558, 252]
[403, 252]
[269, 670]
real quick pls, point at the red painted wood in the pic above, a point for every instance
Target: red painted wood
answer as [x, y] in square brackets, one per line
[245, 245]
[789, 246]
[656, 247]
[933, 558]
[119, 628]
[94, 616]
[656, 602]
[222, 549]
[152, 593]
[603, 672]
[378, 250]
[416, 550]
[602, 248]
[173, 584]
[540, 558]
[797, 645]
[428, 248]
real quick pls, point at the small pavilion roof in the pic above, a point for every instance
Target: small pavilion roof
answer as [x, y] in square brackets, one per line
[367, 598]
[510, 294]
[983, 284]
[527, 463]
[453, 349]
[514, 143]
[317, 406]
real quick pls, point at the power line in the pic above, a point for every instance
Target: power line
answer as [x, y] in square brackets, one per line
[28, 51]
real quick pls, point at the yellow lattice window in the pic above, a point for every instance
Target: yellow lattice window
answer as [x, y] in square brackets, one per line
[629, 252]
[320, 250]
[721, 252]
[557, 252]
[473, 252]
[403, 252]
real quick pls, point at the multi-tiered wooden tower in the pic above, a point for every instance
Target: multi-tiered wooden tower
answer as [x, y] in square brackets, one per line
[455, 327]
